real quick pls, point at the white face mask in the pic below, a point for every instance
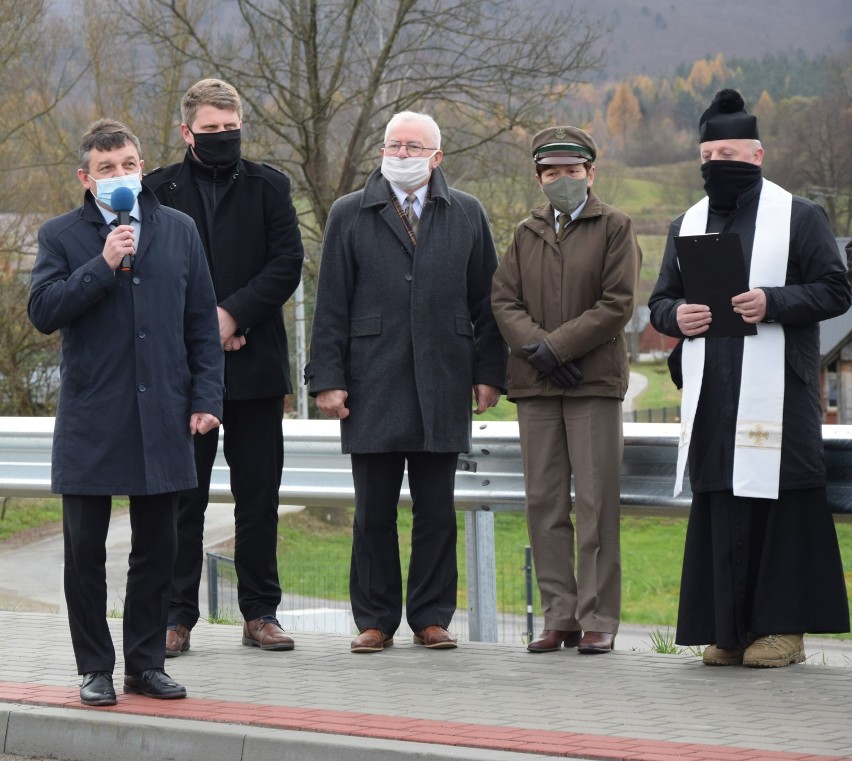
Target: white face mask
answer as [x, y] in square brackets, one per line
[408, 173]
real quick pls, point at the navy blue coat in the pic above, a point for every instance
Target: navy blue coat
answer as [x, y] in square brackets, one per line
[406, 332]
[140, 350]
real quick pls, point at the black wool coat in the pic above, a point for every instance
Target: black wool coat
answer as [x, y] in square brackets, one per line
[406, 330]
[816, 289]
[140, 350]
[254, 251]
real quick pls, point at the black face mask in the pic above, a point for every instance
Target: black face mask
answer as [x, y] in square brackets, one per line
[217, 148]
[726, 181]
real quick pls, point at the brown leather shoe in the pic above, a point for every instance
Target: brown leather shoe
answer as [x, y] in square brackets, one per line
[596, 642]
[371, 641]
[435, 638]
[266, 633]
[177, 640]
[553, 639]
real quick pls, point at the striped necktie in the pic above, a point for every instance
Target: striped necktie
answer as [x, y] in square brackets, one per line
[413, 219]
[563, 220]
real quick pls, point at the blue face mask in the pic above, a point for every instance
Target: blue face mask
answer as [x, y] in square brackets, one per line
[106, 185]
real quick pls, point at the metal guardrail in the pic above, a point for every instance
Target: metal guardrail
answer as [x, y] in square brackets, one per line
[490, 476]
[489, 479]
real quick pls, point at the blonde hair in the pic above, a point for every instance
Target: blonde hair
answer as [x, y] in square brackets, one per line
[209, 92]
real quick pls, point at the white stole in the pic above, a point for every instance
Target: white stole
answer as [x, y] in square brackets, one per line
[757, 441]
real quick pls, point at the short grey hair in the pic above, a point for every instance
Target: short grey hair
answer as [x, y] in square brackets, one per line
[414, 116]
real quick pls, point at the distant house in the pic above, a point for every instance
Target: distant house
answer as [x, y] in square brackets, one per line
[644, 341]
[835, 363]
[652, 342]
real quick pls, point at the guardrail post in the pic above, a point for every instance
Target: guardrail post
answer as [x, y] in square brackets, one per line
[481, 575]
[213, 585]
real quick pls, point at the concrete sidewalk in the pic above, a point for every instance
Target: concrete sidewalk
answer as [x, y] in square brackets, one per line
[478, 702]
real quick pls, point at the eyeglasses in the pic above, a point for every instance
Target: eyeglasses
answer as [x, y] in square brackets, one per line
[413, 149]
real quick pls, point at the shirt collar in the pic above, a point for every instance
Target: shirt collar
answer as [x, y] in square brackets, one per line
[574, 214]
[401, 195]
[111, 216]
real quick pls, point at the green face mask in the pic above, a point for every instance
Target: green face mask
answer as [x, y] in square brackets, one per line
[566, 193]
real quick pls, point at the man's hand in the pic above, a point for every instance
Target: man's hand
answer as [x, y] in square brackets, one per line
[486, 396]
[202, 422]
[119, 243]
[541, 357]
[332, 403]
[693, 319]
[227, 327]
[751, 305]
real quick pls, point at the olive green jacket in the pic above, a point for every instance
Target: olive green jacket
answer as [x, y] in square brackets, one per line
[577, 295]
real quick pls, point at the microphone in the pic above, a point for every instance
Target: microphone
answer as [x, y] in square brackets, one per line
[122, 201]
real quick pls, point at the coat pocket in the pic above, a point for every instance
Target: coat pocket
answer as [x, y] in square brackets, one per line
[362, 344]
[365, 326]
[464, 327]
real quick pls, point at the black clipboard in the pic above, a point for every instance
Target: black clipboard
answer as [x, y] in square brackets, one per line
[713, 271]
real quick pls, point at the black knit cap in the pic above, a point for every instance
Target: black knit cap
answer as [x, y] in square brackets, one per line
[726, 119]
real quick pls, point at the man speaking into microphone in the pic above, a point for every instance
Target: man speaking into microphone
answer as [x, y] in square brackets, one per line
[141, 374]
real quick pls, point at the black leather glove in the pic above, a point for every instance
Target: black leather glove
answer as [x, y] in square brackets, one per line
[541, 357]
[567, 375]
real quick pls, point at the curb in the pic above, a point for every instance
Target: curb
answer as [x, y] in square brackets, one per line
[76, 735]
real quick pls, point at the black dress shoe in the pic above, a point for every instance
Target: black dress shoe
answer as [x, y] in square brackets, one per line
[153, 683]
[97, 689]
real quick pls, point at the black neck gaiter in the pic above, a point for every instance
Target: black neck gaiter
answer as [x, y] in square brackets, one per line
[726, 181]
[217, 149]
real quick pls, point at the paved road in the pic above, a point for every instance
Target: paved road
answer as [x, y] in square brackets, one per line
[31, 575]
[635, 386]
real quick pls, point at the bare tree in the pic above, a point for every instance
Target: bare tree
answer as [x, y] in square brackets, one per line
[812, 154]
[321, 77]
[29, 362]
[38, 70]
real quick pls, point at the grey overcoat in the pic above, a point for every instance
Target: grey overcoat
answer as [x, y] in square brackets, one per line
[406, 330]
[140, 350]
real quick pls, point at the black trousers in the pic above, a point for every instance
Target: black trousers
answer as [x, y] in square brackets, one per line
[375, 579]
[85, 522]
[254, 451]
[760, 566]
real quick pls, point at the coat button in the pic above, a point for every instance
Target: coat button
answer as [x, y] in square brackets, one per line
[136, 280]
[142, 387]
[408, 277]
[172, 185]
[87, 278]
[141, 334]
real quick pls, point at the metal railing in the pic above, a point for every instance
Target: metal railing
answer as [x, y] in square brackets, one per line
[489, 479]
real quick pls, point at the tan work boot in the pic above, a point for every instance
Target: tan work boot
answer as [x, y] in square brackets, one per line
[722, 656]
[775, 650]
